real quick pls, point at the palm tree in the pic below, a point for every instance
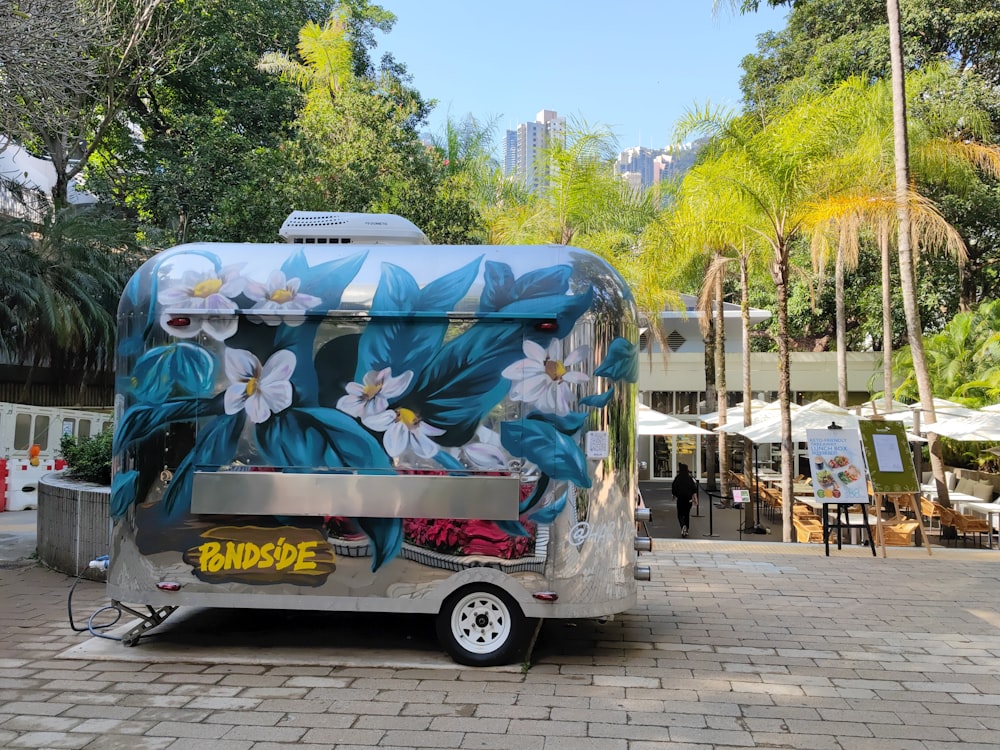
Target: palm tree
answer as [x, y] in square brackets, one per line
[774, 172]
[60, 282]
[584, 204]
[327, 53]
[939, 155]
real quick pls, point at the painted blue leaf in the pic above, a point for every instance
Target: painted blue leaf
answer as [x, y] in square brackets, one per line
[549, 513]
[319, 437]
[182, 368]
[326, 280]
[448, 461]
[567, 424]
[406, 343]
[122, 492]
[536, 496]
[130, 346]
[386, 535]
[446, 292]
[543, 282]
[541, 443]
[215, 446]
[498, 286]
[565, 308]
[385, 343]
[599, 400]
[463, 381]
[621, 362]
[143, 420]
[501, 289]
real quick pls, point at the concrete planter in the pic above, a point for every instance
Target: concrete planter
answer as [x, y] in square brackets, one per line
[74, 526]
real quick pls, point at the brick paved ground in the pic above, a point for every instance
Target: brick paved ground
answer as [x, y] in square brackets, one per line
[732, 646]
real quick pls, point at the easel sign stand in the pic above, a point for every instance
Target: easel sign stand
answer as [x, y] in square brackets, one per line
[890, 466]
[838, 479]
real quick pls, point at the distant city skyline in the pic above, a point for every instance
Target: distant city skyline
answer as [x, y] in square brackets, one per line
[634, 66]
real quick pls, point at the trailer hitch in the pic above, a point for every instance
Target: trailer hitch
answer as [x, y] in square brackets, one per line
[147, 621]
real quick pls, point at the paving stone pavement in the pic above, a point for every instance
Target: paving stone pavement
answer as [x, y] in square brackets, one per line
[732, 645]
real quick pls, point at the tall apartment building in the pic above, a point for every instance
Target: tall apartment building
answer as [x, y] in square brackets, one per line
[529, 140]
[643, 167]
[510, 152]
[636, 166]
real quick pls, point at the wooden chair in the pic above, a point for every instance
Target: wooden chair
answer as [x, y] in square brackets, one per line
[929, 511]
[773, 500]
[963, 524]
[808, 529]
[966, 525]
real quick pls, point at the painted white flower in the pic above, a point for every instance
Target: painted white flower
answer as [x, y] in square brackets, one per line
[544, 379]
[209, 291]
[371, 396]
[281, 294]
[260, 390]
[486, 452]
[404, 430]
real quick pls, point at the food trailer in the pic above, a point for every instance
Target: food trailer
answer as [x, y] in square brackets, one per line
[355, 420]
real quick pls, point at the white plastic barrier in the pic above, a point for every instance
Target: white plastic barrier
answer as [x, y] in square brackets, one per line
[22, 482]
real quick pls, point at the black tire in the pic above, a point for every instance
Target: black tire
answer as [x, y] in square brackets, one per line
[481, 625]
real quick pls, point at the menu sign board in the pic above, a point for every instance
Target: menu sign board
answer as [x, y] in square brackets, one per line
[837, 465]
[889, 460]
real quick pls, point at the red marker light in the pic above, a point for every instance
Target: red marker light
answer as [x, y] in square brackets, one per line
[546, 326]
[546, 596]
[179, 322]
[168, 586]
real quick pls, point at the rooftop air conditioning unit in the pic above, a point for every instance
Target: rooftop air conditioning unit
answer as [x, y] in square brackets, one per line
[333, 227]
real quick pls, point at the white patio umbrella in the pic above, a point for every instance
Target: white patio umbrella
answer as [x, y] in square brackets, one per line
[767, 413]
[983, 426]
[734, 413]
[877, 407]
[816, 415]
[652, 422]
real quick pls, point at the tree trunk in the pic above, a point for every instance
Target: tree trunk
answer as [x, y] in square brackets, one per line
[779, 272]
[720, 387]
[883, 242]
[841, 328]
[749, 470]
[907, 269]
[710, 443]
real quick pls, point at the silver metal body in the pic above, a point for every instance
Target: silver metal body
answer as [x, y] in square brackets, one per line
[372, 427]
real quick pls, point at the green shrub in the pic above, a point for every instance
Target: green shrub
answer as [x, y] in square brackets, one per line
[88, 459]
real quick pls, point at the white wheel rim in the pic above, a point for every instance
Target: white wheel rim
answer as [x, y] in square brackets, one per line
[480, 623]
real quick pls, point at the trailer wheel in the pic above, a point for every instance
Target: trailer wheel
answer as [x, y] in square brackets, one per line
[482, 626]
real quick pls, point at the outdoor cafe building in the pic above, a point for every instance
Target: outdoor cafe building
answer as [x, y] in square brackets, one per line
[674, 383]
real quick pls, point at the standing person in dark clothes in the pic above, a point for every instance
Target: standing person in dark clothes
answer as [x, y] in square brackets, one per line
[685, 491]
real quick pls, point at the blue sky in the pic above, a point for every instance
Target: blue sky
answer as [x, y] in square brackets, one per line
[634, 66]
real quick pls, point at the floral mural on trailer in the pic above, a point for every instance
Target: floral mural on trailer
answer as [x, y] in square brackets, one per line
[240, 358]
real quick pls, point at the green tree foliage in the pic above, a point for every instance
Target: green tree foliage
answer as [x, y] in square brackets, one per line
[827, 41]
[356, 147]
[70, 67]
[583, 203]
[198, 153]
[60, 281]
[963, 359]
